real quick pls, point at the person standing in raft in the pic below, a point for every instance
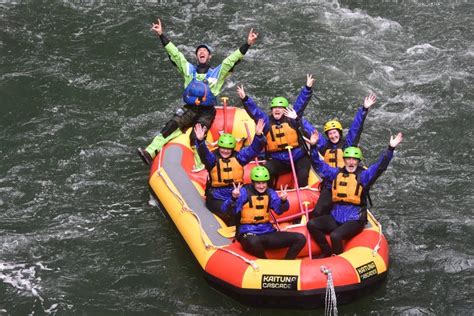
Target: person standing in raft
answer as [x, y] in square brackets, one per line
[202, 85]
[225, 167]
[331, 146]
[282, 130]
[350, 186]
[252, 203]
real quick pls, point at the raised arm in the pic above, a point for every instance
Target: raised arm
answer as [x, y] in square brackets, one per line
[323, 169]
[252, 108]
[305, 95]
[176, 57]
[355, 130]
[228, 64]
[371, 174]
[246, 154]
[206, 156]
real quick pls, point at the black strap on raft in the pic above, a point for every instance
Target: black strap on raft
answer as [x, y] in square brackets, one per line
[218, 166]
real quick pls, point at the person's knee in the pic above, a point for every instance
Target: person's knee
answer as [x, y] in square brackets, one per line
[300, 239]
[336, 236]
[252, 245]
[248, 242]
[312, 226]
[169, 128]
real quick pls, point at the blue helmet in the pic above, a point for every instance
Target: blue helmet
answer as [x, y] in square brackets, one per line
[209, 49]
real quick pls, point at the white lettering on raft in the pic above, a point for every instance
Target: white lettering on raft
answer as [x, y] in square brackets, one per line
[283, 282]
[367, 270]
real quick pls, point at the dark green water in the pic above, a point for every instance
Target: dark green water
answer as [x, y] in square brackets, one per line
[83, 83]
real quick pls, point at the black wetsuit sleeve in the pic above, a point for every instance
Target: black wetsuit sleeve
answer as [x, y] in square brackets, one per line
[244, 48]
[164, 39]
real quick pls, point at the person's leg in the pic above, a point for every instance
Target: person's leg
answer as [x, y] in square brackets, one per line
[276, 240]
[252, 245]
[344, 232]
[205, 116]
[318, 227]
[214, 205]
[171, 131]
[302, 167]
[169, 128]
[182, 117]
[324, 204]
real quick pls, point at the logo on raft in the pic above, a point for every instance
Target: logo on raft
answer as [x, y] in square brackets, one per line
[367, 271]
[279, 282]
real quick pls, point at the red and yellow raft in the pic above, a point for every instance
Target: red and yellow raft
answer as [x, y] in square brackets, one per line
[273, 282]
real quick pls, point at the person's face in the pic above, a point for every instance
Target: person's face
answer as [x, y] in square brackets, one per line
[277, 113]
[351, 164]
[261, 187]
[225, 152]
[203, 56]
[334, 135]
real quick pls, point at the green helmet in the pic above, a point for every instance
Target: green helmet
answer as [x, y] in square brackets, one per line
[279, 102]
[259, 174]
[226, 141]
[352, 152]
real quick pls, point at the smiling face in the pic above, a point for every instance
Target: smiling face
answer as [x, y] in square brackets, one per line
[351, 164]
[203, 56]
[225, 152]
[334, 135]
[277, 112]
[261, 187]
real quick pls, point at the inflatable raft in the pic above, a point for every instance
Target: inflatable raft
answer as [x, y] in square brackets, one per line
[272, 282]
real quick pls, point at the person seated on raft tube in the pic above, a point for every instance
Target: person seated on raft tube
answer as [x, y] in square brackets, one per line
[331, 147]
[281, 130]
[202, 85]
[350, 186]
[225, 167]
[251, 204]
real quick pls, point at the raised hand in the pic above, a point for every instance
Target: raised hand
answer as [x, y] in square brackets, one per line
[395, 140]
[157, 27]
[236, 190]
[252, 37]
[313, 140]
[259, 127]
[241, 91]
[290, 113]
[284, 192]
[310, 80]
[369, 100]
[200, 131]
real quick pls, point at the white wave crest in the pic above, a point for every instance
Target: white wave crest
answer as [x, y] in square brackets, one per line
[422, 49]
[24, 278]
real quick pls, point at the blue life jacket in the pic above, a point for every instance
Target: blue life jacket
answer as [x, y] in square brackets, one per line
[198, 92]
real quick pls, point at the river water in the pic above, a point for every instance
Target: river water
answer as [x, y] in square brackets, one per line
[83, 83]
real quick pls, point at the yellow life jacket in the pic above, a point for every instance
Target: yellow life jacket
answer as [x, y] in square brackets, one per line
[226, 171]
[347, 188]
[333, 157]
[256, 210]
[281, 135]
